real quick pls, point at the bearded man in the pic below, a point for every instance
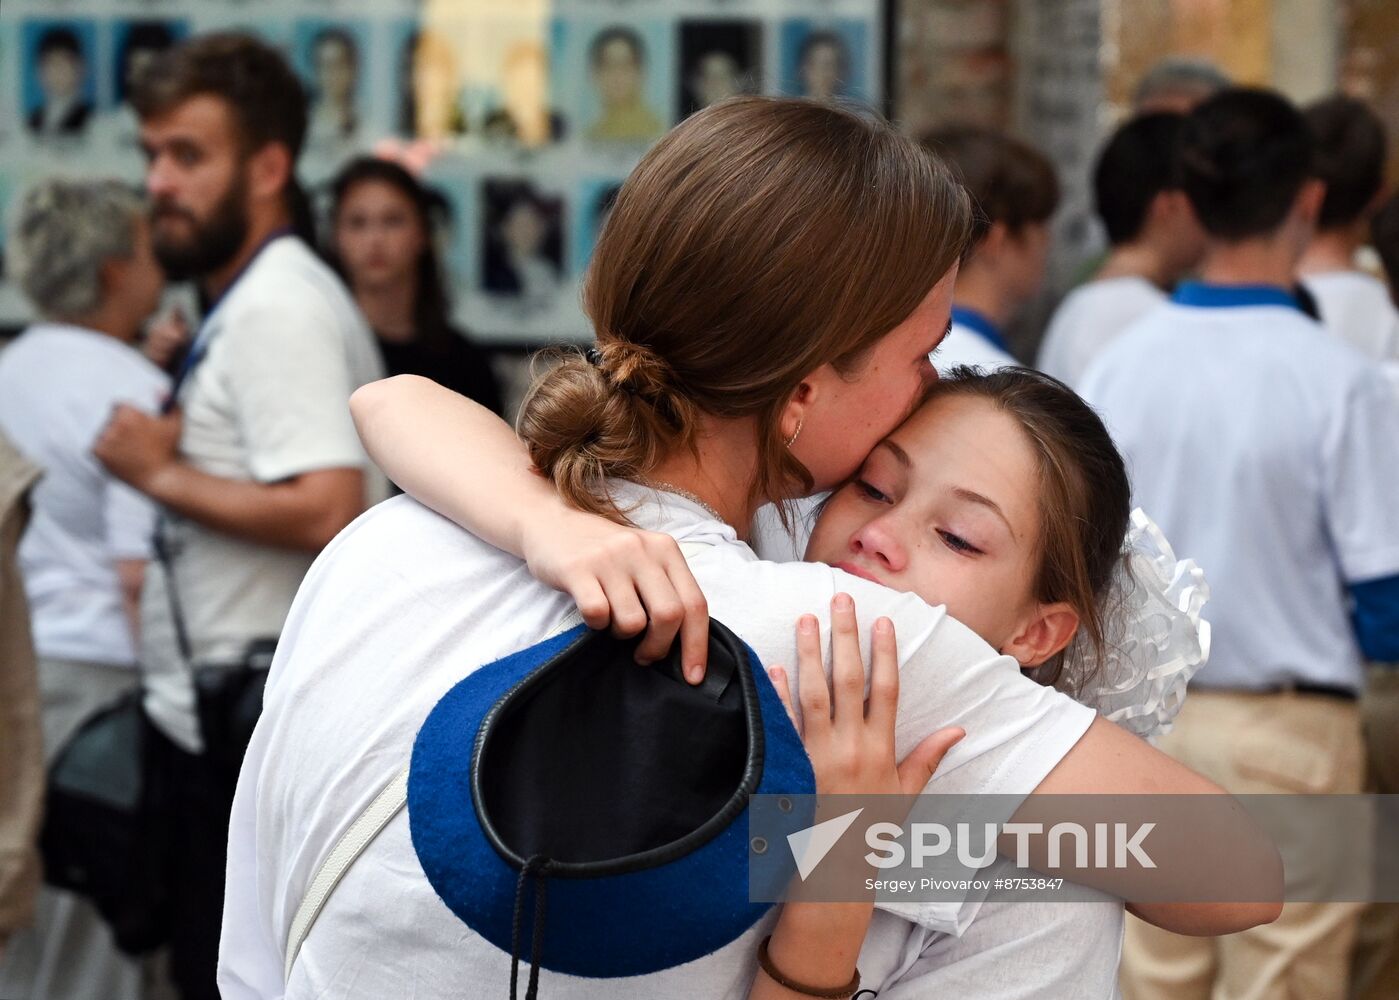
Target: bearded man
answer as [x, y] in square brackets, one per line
[255, 464]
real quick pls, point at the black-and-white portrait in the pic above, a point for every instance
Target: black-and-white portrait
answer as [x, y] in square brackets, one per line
[522, 243]
[330, 60]
[718, 60]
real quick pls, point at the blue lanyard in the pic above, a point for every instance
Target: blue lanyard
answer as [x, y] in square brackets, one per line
[200, 347]
[978, 323]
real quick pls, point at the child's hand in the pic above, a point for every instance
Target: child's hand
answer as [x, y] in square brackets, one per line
[851, 742]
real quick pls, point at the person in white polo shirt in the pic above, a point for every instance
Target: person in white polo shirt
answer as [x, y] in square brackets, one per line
[82, 255]
[1265, 447]
[1015, 191]
[1351, 150]
[259, 466]
[1156, 240]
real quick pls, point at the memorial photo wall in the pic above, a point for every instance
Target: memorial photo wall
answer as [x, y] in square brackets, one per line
[524, 116]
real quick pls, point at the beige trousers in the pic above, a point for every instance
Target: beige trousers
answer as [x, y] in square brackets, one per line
[1258, 744]
[21, 744]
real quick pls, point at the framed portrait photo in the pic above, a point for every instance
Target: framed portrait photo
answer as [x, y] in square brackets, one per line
[523, 119]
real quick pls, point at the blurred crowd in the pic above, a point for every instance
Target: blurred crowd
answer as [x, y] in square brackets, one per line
[169, 473]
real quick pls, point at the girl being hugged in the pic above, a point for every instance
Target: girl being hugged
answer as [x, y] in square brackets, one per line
[1001, 497]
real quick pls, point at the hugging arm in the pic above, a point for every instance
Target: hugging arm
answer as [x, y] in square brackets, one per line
[1204, 841]
[464, 462]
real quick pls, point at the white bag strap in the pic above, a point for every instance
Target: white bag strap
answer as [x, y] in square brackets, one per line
[370, 823]
[347, 850]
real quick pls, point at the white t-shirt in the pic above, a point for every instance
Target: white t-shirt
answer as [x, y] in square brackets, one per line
[270, 401]
[1088, 319]
[58, 385]
[399, 608]
[1265, 448]
[1011, 951]
[965, 346]
[1358, 307]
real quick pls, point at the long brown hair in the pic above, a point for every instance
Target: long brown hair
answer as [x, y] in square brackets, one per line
[757, 241]
[1085, 505]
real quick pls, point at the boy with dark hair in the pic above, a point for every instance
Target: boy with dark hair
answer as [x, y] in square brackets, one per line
[1351, 152]
[1015, 192]
[1350, 155]
[1155, 238]
[1351, 148]
[259, 465]
[1264, 448]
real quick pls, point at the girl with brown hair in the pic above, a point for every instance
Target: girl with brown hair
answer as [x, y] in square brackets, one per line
[766, 293]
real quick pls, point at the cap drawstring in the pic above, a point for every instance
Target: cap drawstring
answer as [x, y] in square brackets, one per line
[538, 866]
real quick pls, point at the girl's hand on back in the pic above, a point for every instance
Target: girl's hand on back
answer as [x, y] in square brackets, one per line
[851, 741]
[851, 745]
[626, 578]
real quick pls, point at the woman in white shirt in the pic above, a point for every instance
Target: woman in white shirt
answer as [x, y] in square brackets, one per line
[83, 257]
[767, 290]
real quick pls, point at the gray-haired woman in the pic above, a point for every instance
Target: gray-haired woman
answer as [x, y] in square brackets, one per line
[82, 256]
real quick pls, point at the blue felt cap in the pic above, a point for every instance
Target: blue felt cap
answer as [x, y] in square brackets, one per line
[623, 786]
